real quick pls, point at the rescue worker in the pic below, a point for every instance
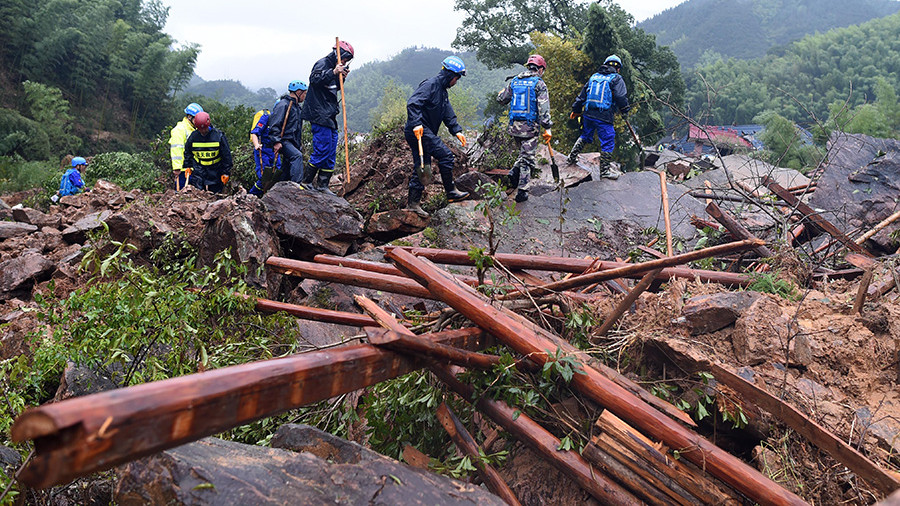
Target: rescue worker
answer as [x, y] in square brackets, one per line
[285, 130]
[529, 110]
[71, 182]
[263, 154]
[177, 138]
[320, 110]
[426, 109]
[600, 98]
[207, 153]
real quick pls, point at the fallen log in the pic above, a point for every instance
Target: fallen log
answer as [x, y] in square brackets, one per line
[348, 276]
[634, 269]
[599, 388]
[736, 229]
[626, 476]
[573, 265]
[87, 434]
[718, 196]
[626, 303]
[861, 291]
[664, 190]
[312, 313]
[813, 432]
[469, 447]
[877, 228]
[815, 218]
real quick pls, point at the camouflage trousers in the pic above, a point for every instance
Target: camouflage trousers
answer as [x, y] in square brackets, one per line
[525, 162]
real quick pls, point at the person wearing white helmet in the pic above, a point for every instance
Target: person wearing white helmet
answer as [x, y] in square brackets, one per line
[177, 138]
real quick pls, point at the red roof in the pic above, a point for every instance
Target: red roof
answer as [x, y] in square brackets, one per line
[716, 134]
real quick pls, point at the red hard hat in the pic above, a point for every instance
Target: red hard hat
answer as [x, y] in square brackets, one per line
[201, 119]
[347, 47]
[536, 59]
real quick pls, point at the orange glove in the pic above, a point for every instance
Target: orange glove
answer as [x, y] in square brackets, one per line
[418, 131]
[573, 115]
[224, 178]
[547, 135]
[462, 139]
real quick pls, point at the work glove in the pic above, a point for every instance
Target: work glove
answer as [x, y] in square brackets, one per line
[224, 178]
[547, 135]
[418, 131]
[462, 139]
[574, 115]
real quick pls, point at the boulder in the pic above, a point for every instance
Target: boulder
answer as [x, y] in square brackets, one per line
[391, 225]
[241, 225]
[36, 218]
[304, 438]
[21, 272]
[79, 380]
[709, 313]
[860, 186]
[310, 222]
[213, 471]
[762, 332]
[77, 232]
[470, 181]
[10, 229]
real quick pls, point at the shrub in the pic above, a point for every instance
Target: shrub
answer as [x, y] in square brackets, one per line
[127, 170]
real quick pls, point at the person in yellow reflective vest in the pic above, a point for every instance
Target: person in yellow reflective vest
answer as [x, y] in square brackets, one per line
[207, 153]
[177, 138]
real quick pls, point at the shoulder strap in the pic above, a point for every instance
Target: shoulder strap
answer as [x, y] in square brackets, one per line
[288, 113]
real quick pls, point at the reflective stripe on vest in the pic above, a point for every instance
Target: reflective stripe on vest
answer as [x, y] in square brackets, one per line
[207, 153]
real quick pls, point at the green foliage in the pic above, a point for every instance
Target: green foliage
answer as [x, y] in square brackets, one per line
[879, 119]
[50, 110]
[231, 93]
[465, 105]
[769, 282]
[565, 75]
[16, 174]
[785, 145]
[579, 323]
[22, 137]
[391, 111]
[126, 170]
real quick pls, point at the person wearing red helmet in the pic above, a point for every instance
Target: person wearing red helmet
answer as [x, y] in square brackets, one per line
[208, 155]
[529, 112]
[320, 109]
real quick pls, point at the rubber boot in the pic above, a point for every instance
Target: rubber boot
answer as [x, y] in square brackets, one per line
[606, 169]
[454, 195]
[573, 154]
[309, 175]
[321, 184]
[512, 178]
[522, 196]
[414, 203]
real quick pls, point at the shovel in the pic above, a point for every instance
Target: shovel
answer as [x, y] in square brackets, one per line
[424, 175]
[269, 174]
[187, 177]
[637, 140]
[553, 167]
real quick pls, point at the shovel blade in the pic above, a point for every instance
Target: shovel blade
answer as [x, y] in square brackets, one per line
[270, 176]
[424, 173]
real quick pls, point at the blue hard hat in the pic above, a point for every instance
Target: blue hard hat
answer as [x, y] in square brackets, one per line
[297, 85]
[78, 161]
[614, 60]
[454, 64]
[192, 109]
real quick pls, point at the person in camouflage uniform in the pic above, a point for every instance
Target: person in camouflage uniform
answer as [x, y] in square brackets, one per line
[529, 110]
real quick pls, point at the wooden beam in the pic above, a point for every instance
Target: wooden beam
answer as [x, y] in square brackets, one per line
[736, 229]
[814, 217]
[626, 303]
[861, 291]
[87, 434]
[312, 313]
[599, 388]
[813, 432]
[348, 276]
[411, 344]
[631, 480]
[664, 190]
[467, 445]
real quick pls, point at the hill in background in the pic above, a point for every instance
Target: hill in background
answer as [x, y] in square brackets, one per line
[702, 30]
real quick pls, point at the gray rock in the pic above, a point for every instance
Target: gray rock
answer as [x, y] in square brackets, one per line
[213, 471]
[37, 218]
[709, 313]
[21, 272]
[78, 380]
[310, 222]
[15, 229]
[470, 181]
[304, 438]
[390, 225]
[77, 232]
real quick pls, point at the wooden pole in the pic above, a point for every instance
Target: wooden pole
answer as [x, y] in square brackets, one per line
[877, 228]
[87, 434]
[347, 276]
[736, 229]
[625, 476]
[313, 313]
[337, 49]
[665, 203]
[626, 303]
[574, 265]
[469, 447]
[599, 388]
[861, 291]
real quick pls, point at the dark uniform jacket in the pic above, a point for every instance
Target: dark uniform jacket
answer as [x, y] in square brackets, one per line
[429, 105]
[208, 155]
[293, 127]
[321, 104]
[620, 98]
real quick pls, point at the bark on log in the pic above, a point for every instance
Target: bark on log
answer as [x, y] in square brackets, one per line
[86, 434]
[628, 478]
[347, 276]
[596, 386]
[736, 229]
[626, 303]
[313, 313]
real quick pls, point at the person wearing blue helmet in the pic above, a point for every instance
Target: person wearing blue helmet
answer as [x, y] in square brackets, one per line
[601, 97]
[71, 182]
[284, 132]
[177, 137]
[321, 110]
[426, 109]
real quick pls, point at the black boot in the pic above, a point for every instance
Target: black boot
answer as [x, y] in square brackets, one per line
[512, 178]
[414, 203]
[606, 169]
[321, 184]
[309, 175]
[454, 195]
[576, 148]
[522, 196]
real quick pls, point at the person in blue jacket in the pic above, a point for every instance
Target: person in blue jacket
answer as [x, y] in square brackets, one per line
[426, 109]
[285, 129]
[263, 154]
[600, 98]
[320, 110]
[71, 182]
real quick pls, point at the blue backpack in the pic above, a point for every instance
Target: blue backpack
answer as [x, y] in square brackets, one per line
[523, 103]
[599, 93]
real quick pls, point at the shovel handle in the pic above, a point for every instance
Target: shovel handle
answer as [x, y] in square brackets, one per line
[550, 148]
[421, 151]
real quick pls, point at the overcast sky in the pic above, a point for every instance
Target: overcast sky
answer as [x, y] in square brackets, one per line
[268, 43]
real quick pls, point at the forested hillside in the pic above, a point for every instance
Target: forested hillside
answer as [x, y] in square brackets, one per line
[804, 82]
[93, 69]
[230, 92]
[701, 30]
